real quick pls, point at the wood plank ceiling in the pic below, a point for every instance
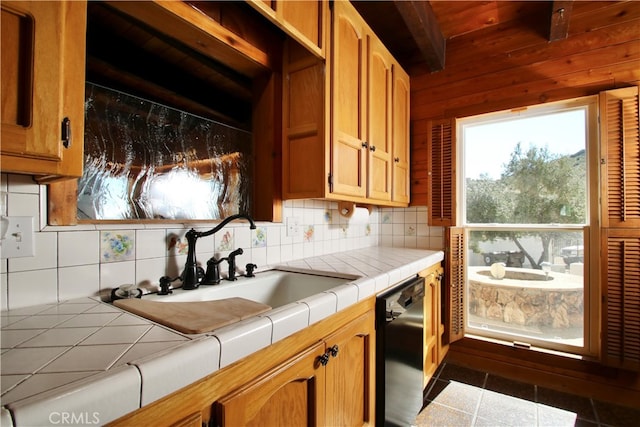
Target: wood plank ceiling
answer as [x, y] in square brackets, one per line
[417, 32]
[445, 40]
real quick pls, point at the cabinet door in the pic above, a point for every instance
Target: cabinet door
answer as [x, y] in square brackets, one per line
[400, 131]
[350, 390]
[348, 168]
[292, 394]
[304, 20]
[379, 120]
[43, 62]
[432, 321]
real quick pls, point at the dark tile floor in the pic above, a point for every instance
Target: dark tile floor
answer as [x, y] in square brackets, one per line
[459, 396]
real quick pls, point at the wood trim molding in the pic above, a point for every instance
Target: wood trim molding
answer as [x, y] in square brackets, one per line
[581, 377]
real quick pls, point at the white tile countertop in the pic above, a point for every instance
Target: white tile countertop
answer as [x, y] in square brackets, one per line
[88, 362]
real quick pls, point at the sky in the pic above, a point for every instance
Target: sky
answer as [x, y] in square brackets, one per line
[488, 146]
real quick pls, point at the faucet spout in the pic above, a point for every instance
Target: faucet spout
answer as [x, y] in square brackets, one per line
[192, 274]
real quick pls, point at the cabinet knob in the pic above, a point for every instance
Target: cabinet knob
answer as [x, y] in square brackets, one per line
[372, 148]
[333, 350]
[396, 159]
[324, 359]
[365, 144]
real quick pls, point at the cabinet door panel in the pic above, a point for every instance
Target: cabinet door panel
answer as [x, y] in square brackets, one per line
[431, 321]
[348, 102]
[292, 394]
[43, 65]
[400, 129]
[30, 123]
[379, 119]
[349, 394]
[305, 17]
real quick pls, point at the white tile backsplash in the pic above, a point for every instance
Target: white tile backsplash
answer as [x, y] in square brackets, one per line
[27, 288]
[150, 244]
[78, 248]
[78, 281]
[161, 249]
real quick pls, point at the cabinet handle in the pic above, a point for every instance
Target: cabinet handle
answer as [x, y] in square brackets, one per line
[396, 159]
[365, 144]
[324, 359]
[66, 132]
[372, 148]
[333, 350]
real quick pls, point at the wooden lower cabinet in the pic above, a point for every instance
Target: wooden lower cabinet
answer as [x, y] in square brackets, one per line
[350, 377]
[291, 394]
[323, 375]
[329, 384]
[433, 350]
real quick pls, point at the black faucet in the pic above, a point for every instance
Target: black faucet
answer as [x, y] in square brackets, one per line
[190, 277]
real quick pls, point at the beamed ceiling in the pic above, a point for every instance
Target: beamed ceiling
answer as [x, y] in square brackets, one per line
[420, 34]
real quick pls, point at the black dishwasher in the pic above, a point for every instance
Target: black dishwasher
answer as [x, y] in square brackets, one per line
[399, 356]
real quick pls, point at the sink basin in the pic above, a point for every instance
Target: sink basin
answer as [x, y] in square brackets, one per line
[272, 287]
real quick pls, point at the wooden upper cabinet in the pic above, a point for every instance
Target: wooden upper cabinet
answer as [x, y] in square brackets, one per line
[43, 65]
[349, 102]
[400, 192]
[346, 119]
[620, 157]
[379, 134]
[305, 21]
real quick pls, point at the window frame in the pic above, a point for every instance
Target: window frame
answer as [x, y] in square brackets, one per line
[590, 228]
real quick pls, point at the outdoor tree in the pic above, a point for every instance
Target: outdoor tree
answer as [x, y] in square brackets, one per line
[535, 187]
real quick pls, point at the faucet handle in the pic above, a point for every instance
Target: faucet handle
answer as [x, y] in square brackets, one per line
[212, 276]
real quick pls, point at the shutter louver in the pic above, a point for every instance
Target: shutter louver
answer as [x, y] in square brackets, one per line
[620, 138]
[622, 302]
[454, 262]
[441, 172]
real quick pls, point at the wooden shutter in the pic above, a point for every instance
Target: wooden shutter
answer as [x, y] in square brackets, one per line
[620, 215]
[455, 282]
[441, 180]
[620, 157]
[621, 311]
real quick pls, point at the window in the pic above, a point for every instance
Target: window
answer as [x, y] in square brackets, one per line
[526, 204]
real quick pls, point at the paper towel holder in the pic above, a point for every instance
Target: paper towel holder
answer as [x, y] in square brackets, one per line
[347, 209]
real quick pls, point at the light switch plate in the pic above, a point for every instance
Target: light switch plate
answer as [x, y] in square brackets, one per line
[17, 237]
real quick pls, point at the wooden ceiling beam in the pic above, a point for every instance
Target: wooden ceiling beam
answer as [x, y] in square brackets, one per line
[425, 30]
[560, 17]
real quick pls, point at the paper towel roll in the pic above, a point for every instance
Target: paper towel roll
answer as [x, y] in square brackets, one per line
[360, 216]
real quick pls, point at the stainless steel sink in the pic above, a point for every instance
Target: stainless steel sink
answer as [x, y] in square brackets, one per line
[272, 287]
